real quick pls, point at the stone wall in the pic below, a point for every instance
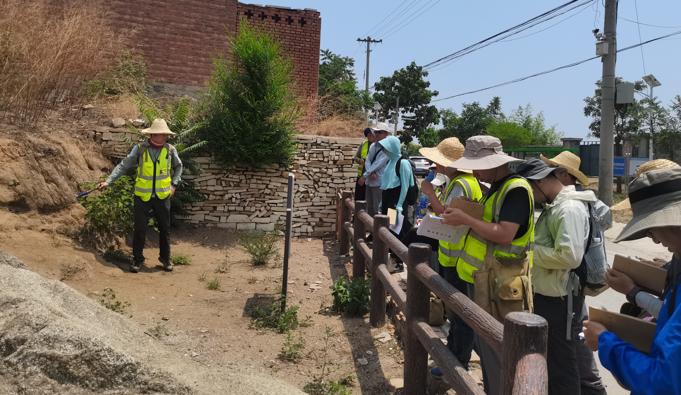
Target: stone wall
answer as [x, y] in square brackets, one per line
[255, 199]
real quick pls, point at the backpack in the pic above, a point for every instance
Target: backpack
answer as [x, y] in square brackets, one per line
[413, 191]
[591, 271]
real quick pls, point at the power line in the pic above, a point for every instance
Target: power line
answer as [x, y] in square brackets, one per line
[649, 24]
[546, 28]
[377, 25]
[546, 16]
[397, 17]
[567, 66]
[400, 26]
[638, 26]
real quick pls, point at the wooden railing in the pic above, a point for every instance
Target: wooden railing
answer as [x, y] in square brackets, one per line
[520, 343]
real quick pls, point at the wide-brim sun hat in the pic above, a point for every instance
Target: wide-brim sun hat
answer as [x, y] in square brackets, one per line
[378, 127]
[445, 153]
[159, 126]
[570, 162]
[655, 199]
[534, 169]
[483, 153]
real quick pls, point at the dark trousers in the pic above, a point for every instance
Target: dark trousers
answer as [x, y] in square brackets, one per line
[360, 191]
[160, 211]
[461, 338]
[561, 353]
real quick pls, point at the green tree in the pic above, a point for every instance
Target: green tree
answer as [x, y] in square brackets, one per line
[474, 120]
[429, 137]
[510, 133]
[536, 125]
[338, 93]
[411, 88]
[668, 134]
[628, 117]
[250, 110]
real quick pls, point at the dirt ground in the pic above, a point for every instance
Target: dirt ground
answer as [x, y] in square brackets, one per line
[212, 327]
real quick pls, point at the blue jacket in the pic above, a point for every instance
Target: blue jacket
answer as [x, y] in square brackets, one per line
[658, 372]
[392, 146]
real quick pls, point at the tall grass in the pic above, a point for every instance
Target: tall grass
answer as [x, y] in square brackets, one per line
[48, 51]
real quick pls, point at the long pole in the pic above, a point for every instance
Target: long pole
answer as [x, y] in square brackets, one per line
[287, 240]
[605, 176]
[369, 41]
[651, 154]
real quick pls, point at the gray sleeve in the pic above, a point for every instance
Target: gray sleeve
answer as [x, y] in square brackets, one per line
[649, 302]
[127, 164]
[456, 192]
[177, 166]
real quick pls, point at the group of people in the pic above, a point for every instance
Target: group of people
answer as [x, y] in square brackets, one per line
[508, 261]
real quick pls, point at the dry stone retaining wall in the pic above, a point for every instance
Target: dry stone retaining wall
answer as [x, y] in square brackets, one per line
[255, 199]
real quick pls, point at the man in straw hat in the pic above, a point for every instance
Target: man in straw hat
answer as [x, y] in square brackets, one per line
[569, 173]
[656, 204]
[495, 259]
[159, 169]
[460, 337]
[561, 239]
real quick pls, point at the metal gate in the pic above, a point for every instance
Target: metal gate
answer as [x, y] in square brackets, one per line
[589, 154]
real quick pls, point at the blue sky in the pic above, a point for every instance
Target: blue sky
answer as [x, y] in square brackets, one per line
[445, 26]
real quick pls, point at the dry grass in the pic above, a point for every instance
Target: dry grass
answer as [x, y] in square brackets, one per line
[48, 50]
[336, 126]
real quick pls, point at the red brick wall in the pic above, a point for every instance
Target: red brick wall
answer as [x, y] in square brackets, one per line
[180, 38]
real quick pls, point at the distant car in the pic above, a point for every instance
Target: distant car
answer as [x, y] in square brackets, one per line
[422, 165]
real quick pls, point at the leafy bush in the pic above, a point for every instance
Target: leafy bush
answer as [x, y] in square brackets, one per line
[262, 247]
[109, 215]
[292, 349]
[339, 387]
[351, 296]
[129, 75]
[181, 260]
[250, 110]
[271, 316]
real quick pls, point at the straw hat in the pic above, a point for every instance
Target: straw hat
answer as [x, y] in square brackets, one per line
[656, 164]
[655, 199]
[159, 126]
[570, 162]
[483, 153]
[449, 150]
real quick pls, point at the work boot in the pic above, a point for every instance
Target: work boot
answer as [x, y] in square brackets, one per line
[135, 267]
[167, 265]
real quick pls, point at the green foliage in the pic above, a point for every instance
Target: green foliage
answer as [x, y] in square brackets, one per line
[339, 387]
[351, 296]
[410, 86]
[338, 93]
[540, 134]
[262, 247]
[320, 384]
[129, 75]
[109, 300]
[250, 110]
[271, 316]
[429, 137]
[474, 120]
[116, 256]
[109, 214]
[213, 284]
[411, 149]
[511, 134]
[292, 350]
[181, 260]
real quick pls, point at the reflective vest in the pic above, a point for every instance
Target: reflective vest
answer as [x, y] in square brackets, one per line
[449, 252]
[363, 154]
[476, 248]
[153, 177]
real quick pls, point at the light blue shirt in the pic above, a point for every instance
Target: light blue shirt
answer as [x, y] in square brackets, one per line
[377, 166]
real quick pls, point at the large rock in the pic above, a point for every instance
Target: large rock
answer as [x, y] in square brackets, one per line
[56, 340]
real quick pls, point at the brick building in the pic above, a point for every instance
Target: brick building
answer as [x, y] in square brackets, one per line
[180, 38]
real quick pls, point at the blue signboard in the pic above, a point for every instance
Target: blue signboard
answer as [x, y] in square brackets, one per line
[618, 166]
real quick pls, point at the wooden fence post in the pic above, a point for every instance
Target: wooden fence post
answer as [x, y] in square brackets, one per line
[524, 334]
[358, 267]
[418, 306]
[339, 214]
[344, 247]
[380, 256]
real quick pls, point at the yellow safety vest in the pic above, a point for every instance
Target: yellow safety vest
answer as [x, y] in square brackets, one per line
[153, 177]
[363, 154]
[449, 252]
[475, 247]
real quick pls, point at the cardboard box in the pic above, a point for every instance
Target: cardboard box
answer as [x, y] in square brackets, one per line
[644, 274]
[637, 332]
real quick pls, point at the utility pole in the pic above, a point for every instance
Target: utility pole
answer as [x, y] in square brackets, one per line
[397, 106]
[369, 41]
[607, 148]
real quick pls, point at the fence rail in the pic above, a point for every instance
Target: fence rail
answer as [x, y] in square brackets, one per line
[520, 342]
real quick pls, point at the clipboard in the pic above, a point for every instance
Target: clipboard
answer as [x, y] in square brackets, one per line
[645, 275]
[474, 209]
[637, 332]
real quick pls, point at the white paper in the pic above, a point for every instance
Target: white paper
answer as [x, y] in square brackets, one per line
[399, 221]
[432, 227]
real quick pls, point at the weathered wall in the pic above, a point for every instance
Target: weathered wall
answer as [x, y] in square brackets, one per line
[255, 199]
[180, 38]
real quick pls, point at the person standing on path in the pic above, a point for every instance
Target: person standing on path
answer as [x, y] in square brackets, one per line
[497, 253]
[561, 238]
[360, 158]
[377, 160]
[159, 170]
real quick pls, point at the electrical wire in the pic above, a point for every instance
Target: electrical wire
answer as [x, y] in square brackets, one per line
[380, 23]
[401, 26]
[638, 26]
[546, 28]
[544, 17]
[567, 66]
[649, 24]
[390, 23]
